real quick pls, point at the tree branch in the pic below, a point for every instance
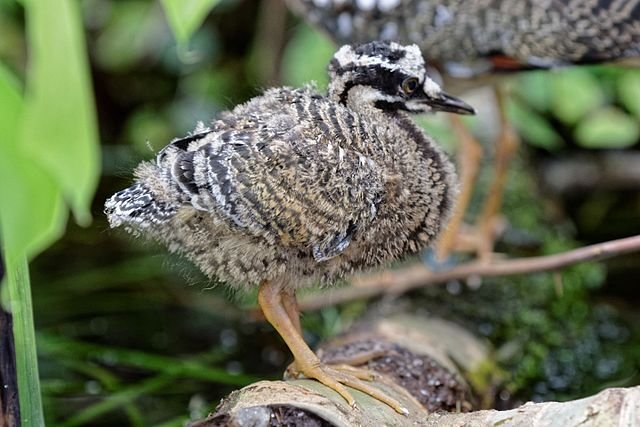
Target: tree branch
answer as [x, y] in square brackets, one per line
[610, 407]
[403, 280]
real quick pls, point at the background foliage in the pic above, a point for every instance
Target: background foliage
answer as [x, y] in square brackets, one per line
[128, 335]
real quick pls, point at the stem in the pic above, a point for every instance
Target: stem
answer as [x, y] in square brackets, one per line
[403, 280]
[25, 341]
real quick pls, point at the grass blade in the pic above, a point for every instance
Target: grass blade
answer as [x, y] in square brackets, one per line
[119, 399]
[190, 368]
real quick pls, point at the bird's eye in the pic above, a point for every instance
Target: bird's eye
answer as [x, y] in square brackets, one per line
[409, 85]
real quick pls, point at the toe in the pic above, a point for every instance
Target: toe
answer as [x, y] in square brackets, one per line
[333, 380]
[360, 373]
[376, 394]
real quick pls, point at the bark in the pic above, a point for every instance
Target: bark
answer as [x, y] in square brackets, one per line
[9, 408]
[434, 367]
[9, 405]
[610, 407]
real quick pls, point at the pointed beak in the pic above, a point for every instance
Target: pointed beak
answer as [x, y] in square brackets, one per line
[449, 103]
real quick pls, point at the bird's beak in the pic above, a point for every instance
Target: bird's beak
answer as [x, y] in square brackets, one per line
[449, 103]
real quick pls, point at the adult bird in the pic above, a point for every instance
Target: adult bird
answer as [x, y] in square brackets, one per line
[295, 188]
[472, 38]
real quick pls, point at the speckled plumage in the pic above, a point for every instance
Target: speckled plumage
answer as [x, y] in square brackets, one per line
[294, 186]
[471, 36]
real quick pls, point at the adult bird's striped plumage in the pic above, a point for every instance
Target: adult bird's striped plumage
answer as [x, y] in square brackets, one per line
[478, 38]
[470, 37]
[294, 187]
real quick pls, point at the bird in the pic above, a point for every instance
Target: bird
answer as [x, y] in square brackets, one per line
[295, 188]
[472, 41]
[472, 37]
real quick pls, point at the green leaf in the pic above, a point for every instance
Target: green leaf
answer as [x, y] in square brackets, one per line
[59, 130]
[533, 128]
[186, 16]
[135, 31]
[607, 128]
[534, 88]
[629, 91]
[10, 110]
[32, 214]
[306, 58]
[575, 92]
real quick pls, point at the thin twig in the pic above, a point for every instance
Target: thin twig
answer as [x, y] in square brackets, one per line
[403, 280]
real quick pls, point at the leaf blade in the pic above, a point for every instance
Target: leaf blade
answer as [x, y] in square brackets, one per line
[32, 213]
[607, 128]
[185, 17]
[60, 130]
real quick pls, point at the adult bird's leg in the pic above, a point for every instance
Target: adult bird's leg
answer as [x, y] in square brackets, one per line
[469, 156]
[505, 149]
[270, 299]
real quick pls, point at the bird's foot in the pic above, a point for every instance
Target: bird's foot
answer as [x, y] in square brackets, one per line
[306, 363]
[336, 377]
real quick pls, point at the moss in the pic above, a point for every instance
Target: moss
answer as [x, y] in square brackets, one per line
[552, 341]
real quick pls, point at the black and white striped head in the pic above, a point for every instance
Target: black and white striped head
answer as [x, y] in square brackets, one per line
[391, 77]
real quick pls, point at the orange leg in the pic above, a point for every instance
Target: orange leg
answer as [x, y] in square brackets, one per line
[290, 304]
[270, 299]
[469, 156]
[505, 150]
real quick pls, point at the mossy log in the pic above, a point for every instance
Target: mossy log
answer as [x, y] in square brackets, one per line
[435, 368]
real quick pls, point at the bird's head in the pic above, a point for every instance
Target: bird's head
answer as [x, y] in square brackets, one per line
[388, 76]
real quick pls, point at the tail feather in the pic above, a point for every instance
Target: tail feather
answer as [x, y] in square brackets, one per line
[136, 207]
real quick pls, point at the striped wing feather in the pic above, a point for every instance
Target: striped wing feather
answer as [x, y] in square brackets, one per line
[283, 180]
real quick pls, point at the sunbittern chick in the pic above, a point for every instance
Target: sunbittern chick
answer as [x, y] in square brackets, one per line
[294, 188]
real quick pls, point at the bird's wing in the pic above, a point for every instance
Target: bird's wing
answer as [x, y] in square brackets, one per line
[289, 186]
